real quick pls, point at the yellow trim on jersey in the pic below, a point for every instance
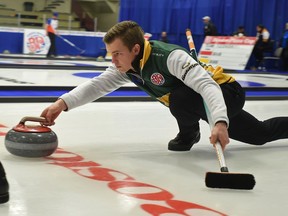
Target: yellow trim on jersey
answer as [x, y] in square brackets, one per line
[218, 74]
[146, 54]
[164, 99]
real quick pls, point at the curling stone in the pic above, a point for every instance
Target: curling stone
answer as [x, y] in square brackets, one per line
[31, 140]
[6, 52]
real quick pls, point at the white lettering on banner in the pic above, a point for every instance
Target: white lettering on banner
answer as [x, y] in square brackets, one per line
[227, 51]
[230, 40]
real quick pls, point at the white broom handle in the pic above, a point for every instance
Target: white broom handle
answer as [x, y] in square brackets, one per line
[67, 41]
[217, 146]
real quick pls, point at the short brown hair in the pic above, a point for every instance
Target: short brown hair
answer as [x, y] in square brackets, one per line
[128, 31]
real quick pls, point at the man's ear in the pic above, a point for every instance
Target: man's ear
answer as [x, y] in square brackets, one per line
[136, 49]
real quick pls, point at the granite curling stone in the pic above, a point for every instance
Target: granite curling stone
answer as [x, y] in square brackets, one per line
[31, 140]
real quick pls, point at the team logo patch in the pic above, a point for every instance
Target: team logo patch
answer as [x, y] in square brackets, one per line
[157, 79]
[36, 42]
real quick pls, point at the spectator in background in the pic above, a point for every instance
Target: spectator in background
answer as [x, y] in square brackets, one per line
[284, 45]
[51, 32]
[263, 44]
[209, 28]
[240, 32]
[164, 37]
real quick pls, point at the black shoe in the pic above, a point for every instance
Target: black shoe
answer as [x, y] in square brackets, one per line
[177, 144]
[4, 186]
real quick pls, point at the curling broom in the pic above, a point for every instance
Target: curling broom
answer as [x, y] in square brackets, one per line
[72, 44]
[223, 179]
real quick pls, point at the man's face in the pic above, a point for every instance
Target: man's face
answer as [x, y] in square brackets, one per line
[164, 34]
[122, 57]
[205, 21]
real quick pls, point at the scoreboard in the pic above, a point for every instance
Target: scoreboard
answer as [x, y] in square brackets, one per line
[230, 52]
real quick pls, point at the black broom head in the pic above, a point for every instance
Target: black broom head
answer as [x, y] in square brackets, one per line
[240, 181]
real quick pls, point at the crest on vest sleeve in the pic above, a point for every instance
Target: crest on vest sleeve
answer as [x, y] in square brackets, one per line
[157, 79]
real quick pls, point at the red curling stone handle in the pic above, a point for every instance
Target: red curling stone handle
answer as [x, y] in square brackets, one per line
[21, 127]
[31, 118]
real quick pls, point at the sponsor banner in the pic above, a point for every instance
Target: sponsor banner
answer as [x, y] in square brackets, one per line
[227, 51]
[35, 41]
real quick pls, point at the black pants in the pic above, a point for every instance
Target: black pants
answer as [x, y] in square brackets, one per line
[52, 48]
[284, 57]
[187, 107]
[259, 50]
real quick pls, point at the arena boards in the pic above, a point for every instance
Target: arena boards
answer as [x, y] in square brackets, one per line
[40, 84]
